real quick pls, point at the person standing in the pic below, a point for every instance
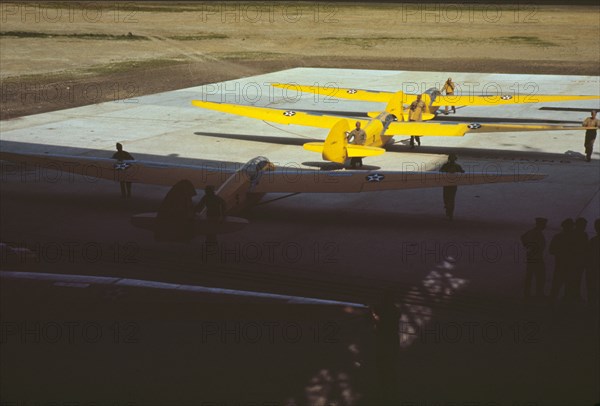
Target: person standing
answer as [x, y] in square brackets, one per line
[449, 90]
[175, 216]
[535, 244]
[449, 192]
[590, 135]
[120, 156]
[415, 113]
[561, 247]
[215, 209]
[358, 136]
[580, 251]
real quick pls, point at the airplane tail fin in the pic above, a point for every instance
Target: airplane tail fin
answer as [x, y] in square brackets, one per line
[426, 98]
[395, 105]
[334, 149]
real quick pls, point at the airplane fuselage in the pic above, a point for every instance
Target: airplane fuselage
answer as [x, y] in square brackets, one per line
[237, 190]
[376, 129]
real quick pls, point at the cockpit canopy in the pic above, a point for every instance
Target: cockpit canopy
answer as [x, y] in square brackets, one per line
[254, 166]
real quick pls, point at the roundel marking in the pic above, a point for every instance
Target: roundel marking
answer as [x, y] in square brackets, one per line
[121, 166]
[375, 177]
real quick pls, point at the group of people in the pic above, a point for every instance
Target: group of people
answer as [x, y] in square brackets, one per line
[175, 217]
[575, 256]
[358, 136]
[175, 220]
[417, 107]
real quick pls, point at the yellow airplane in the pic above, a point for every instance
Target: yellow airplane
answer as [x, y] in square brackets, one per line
[432, 98]
[245, 186]
[380, 129]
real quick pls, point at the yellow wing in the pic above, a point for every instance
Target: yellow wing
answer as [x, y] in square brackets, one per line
[457, 130]
[324, 121]
[493, 128]
[276, 115]
[498, 100]
[339, 92]
[352, 150]
[459, 100]
[427, 129]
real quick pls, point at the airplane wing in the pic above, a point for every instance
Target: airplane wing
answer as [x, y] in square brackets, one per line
[325, 121]
[501, 100]
[127, 171]
[295, 180]
[427, 129]
[492, 128]
[457, 100]
[280, 116]
[340, 93]
[277, 180]
[457, 130]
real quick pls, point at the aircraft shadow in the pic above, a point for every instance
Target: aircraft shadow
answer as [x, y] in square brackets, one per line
[530, 154]
[402, 146]
[323, 216]
[260, 138]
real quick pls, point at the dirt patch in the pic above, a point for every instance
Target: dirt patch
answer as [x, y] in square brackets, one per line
[59, 56]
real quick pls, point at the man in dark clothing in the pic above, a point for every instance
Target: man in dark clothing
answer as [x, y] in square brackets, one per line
[215, 209]
[535, 244]
[592, 272]
[561, 247]
[450, 191]
[175, 217]
[580, 248]
[590, 135]
[122, 155]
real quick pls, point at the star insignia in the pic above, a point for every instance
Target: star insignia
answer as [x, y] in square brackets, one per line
[121, 166]
[289, 113]
[474, 126]
[375, 177]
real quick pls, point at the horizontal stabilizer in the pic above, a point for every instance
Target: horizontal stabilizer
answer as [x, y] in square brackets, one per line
[314, 146]
[355, 151]
[424, 116]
